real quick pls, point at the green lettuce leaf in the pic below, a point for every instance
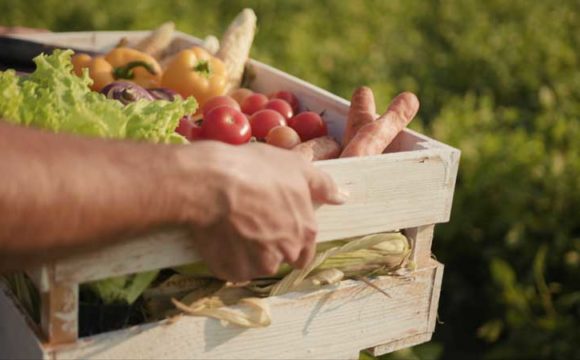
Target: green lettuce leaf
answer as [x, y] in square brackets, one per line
[55, 99]
[122, 289]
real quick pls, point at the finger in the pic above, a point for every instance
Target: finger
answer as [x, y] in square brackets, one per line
[308, 250]
[268, 262]
[323, 189]
[290, 251]
[306, 256]
[235, 266]
[226, 259]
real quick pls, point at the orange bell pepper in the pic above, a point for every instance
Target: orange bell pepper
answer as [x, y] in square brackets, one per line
[120, 64]
[195, 72]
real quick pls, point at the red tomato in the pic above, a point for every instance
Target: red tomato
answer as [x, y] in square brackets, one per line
[264, 120]
[308, 125]
[185, 127]
[253, 103]
[289, 97]
[226, 124]
[241, 94]
[280, 106]
[216, 101]
[196, 133]
[283, 137]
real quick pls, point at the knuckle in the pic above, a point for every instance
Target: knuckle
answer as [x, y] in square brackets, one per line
[269, 269]
[310, 232]
[269, 262]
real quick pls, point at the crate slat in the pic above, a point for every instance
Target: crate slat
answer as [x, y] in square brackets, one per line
[387, 193]
[333, 323]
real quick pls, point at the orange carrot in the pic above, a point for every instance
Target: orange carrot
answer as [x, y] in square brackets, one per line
[321, 148]
[362, 111]
[373, 138]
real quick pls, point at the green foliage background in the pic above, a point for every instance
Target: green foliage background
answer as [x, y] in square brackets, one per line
[498, 79]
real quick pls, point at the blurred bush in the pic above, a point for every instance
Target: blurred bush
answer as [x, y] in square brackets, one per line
[498, 79]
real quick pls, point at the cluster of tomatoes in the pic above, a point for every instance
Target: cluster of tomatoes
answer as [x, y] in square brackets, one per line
[244, 114]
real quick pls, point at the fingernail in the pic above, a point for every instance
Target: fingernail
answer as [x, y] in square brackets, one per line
[341, 196]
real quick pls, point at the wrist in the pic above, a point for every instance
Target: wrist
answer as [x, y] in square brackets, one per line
[197, 183]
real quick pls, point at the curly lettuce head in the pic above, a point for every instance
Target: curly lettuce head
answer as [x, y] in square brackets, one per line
[55, 99]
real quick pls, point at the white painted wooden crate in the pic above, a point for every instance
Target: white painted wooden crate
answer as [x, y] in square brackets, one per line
[409, 188]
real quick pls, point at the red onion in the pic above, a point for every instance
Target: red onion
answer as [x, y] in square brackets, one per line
[163, 94]
[126, 92]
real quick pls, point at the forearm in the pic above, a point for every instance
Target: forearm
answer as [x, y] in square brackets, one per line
[62, 193]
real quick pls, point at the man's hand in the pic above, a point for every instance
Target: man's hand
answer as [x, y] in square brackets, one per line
[257, 208]
[249, 207]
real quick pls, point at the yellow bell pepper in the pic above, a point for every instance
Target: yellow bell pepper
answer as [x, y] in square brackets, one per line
[79, 62]
[120, 64]
[195, 72]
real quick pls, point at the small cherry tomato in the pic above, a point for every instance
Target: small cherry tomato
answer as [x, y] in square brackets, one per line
[289, 97]
[226, 124]
[264, 120]
[253, 103]
[196, 133]
[280, 106]
[241, 94]
[185, 127]
[216, 101]
[283, 137]
[308, 125]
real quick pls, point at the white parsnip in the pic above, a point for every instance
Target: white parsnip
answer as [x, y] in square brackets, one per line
[235, 47]
[155, 43]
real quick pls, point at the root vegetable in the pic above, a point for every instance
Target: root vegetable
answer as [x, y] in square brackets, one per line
[156, 42]
[362, 111]
[235, 47]
[321, 148]
[373, 138]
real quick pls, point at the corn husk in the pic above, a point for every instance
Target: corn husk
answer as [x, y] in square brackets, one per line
[232, 305]
[240, 304]
[362, 256]
[25, 291]
[157, 299]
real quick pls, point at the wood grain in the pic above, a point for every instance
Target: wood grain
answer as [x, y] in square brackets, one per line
[400, 344]
[421, 238]
[18, 340]
[332, 323]
[59, 311]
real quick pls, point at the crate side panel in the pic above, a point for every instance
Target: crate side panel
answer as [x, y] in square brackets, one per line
[406, 190]
[400, 344]
[17, 339]
[386, 193]
[330, 324]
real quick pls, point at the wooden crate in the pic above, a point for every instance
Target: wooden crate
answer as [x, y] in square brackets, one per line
[409, 188]
[335, 322]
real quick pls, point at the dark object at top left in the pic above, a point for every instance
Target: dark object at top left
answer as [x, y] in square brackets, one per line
[17, 53]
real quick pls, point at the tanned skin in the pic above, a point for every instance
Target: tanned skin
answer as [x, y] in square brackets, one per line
[249, 207]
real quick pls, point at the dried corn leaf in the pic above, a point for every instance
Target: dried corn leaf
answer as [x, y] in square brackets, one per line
[354, 254]
[249, 312]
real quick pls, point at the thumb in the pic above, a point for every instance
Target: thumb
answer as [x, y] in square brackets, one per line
[323, 189]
